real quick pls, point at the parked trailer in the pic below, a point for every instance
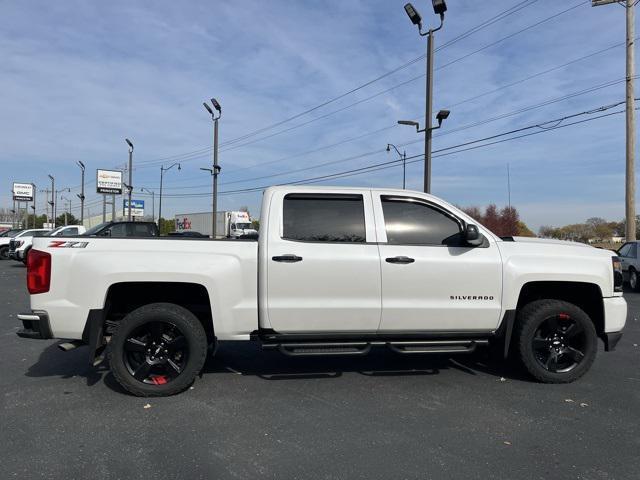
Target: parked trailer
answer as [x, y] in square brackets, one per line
[231, 224]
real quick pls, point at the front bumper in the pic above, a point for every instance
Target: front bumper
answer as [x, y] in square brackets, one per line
[12, 254]
[35, 325]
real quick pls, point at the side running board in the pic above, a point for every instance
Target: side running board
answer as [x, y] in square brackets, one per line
[363, 348]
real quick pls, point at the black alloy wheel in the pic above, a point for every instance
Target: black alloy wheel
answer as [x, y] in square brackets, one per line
[156, 353]
[559, 343]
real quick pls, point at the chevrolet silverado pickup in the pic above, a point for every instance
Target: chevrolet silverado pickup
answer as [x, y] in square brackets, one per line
[336, 271]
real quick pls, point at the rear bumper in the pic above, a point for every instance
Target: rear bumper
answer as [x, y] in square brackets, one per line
[35, 325]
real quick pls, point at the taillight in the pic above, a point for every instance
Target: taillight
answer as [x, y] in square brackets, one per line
[617, 274]
[38, 271]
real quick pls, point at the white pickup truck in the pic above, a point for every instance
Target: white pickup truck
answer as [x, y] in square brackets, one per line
[335, 271]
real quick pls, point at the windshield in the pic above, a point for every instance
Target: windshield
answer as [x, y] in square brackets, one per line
[52, 233]
[10, 233]
[96, 229]
[243, 226]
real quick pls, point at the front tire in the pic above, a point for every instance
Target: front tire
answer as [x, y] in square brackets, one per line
[557, 341]
[157, 350]
[4, 253]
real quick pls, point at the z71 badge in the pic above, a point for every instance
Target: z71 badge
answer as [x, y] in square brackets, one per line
[67, 244]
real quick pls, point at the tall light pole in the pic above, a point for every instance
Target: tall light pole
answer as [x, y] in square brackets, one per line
[162, 170]
[403, 157]
[81, 196]
[439, 7]
[53, 200]
[630, 170]
[215, 170]
[153, 203]
[428, 130]
[130, 186]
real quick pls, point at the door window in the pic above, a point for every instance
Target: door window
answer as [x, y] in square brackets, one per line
[410, 222]
[70, 232]
[324, 218]
[119, 230]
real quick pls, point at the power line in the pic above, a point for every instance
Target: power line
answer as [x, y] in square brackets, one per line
[502, 15]
[443, 152]
[463, 127]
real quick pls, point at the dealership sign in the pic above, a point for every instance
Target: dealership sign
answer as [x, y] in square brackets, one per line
[23, 192]
[137, 208]
[109, 181]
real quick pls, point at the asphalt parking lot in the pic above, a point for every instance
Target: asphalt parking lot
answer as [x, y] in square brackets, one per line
[257, 414]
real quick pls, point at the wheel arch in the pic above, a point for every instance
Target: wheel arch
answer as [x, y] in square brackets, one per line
[587, 296]
[124, 297]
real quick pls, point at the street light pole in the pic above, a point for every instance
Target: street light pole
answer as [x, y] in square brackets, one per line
[81, 196]
[130, 186]
[439, 7]
[403, 157]
[162, 170]
[215, 170]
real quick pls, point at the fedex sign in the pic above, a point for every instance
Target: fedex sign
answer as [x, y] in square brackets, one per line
[183, 224]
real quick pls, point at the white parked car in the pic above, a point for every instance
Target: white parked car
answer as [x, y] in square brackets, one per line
[25, 238]
[335, 271]
[5, 239]
[22, 244]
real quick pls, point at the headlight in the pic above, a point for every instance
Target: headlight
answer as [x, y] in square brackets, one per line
[617, 274]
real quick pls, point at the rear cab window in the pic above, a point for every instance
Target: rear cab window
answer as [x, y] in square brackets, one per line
[334, 218]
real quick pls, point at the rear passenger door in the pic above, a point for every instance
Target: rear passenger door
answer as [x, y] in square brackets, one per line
[323, 270]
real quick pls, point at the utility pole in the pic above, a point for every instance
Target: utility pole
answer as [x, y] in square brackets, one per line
[53, 201]
[130, 186]
[215, 170]
[630, 170]
[33, 207]
[81, 196]
[46, 203]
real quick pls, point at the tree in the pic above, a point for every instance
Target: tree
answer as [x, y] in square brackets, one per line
[255, 224]
[492, 219]
[508, 222]
[70, 219]
[166, 225]
[523, 230]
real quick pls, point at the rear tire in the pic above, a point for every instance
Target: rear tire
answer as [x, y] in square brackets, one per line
[157, 350]
[4, 253]
[557, 341]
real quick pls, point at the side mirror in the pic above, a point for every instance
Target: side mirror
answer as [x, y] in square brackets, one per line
[472, 235]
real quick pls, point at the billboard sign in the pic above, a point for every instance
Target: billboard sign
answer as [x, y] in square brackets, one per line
[109, 182]
[23, 192]
[137, 208]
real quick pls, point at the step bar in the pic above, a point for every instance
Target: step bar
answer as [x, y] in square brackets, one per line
[316, 348]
